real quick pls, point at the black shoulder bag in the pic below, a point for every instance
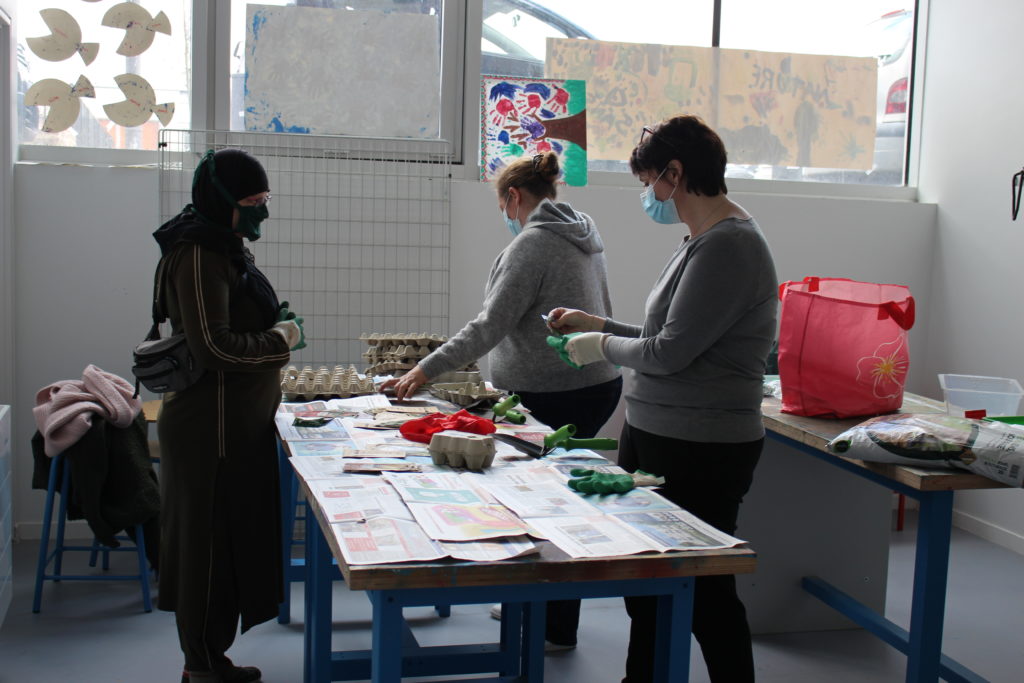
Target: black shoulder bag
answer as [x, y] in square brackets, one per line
[163, 365]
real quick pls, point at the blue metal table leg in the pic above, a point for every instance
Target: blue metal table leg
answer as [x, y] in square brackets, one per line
[289, 494]
[511, 639]
[929, 597]
[318, 605]
[674, 623]
[533, 640]
[386, 658]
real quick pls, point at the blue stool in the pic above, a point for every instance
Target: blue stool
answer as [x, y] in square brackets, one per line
[60, 548]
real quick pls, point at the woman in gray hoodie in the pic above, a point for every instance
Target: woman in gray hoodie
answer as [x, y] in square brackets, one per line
[556, 256]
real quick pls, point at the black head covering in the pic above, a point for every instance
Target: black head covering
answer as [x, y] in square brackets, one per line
[237, 172]
[207, 220]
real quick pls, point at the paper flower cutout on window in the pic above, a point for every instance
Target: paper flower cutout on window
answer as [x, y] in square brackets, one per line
[65, 38]
[139, 103]
[140, 27]
[886, 369]
[62, 99]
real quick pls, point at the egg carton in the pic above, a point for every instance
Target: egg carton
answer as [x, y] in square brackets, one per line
[377, 354]
[420, 339]
[393, 368]
[470, 373]
[464, 393]
[309, 384]
[461, 449]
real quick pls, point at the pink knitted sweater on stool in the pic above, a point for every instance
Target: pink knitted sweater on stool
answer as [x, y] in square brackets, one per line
[64, 410]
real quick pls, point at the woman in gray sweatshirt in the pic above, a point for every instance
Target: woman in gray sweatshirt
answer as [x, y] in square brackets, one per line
[693, 407]
[556, 257]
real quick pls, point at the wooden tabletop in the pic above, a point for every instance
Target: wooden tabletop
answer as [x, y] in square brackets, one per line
[151, 409]
[817, 432]
[550, 566]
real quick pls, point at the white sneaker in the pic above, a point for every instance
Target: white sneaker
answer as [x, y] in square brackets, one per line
[555, 647]
[496, 611]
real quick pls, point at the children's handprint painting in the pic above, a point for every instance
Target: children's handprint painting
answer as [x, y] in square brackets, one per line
[521, 116]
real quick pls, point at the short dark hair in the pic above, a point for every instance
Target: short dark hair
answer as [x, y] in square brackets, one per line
[690, 141]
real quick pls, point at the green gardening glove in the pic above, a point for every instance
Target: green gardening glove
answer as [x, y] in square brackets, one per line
[302, 332]
[284, 313]
[558, 344]
[588, 481]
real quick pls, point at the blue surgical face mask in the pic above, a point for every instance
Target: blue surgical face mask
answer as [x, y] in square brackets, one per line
[661, 211]
[513, 224]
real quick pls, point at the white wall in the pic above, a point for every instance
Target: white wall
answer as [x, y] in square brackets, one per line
[972, 143]
[84, 259]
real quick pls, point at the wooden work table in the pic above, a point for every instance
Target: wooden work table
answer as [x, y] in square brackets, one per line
[522, 585]
[830, 496]
[817, 432]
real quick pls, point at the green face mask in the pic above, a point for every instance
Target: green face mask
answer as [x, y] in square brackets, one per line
[249, 217]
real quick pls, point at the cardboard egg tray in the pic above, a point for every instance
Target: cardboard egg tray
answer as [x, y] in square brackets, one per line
[460, 449]
[464, 393]
[308, 384]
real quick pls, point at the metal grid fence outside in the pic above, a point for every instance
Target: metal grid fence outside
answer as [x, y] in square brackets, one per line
[358, 238]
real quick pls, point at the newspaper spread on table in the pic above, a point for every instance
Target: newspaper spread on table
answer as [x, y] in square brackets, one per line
[494, 515]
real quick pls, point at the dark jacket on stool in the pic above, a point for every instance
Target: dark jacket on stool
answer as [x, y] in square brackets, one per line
[113, 485]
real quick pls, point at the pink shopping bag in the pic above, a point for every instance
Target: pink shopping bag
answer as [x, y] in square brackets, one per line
[843, 347]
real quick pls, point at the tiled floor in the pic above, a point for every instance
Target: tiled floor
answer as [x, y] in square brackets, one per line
[97, 632]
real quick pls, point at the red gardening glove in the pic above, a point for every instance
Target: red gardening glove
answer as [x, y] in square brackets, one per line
[422, 428]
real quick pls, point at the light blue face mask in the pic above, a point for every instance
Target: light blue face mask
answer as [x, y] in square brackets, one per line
[513, 224]
[661, 211]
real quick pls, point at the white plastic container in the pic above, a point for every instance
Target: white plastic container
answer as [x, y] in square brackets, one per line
[994, 395]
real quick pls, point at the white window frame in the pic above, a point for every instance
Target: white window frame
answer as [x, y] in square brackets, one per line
[460, 93]
[8, 77]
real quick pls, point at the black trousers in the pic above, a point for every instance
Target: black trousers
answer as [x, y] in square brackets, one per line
[587, 408]
[709, 480]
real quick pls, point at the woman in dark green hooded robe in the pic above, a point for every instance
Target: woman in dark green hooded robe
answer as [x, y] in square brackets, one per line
[219, 473]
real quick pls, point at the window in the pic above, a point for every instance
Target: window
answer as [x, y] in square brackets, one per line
[797, 91]
[335, 67]
[102, 74]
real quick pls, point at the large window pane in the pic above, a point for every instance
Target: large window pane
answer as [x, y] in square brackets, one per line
[102, 74]
[798, 89]
[354, 67]
[881, 30]
[613, 47]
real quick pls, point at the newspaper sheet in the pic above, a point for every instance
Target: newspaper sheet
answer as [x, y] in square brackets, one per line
[637, 499]
[565, 469]
[677, 530]
[319, 467]
[438, 487]
[467, 522]
[594, 536]
[360, 403]
[302, 449]
[354, 498]
[332, 431]
[490, 551]
[293, 408]
[545, 498]
[384, 540]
